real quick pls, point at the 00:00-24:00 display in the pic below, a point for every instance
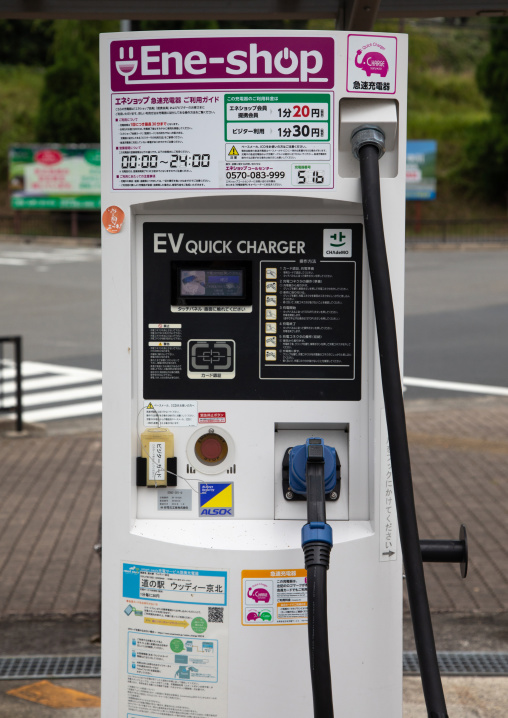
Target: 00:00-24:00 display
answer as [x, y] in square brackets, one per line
[145, 162]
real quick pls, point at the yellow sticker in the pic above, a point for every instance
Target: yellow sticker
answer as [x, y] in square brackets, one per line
[53, 696]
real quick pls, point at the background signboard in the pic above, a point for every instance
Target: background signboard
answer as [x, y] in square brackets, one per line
[65, 177]
[421, 169]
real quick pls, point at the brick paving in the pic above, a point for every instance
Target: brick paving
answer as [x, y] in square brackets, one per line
[50, 510]
[459, 453]
[49, 515]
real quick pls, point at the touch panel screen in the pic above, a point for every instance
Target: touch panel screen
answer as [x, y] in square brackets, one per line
[211, 282]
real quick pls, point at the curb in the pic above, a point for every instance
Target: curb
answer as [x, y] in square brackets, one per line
[50, 240]
[455, 246]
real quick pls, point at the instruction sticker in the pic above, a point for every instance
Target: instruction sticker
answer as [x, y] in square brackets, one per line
[174, 642]
[274, 598]
[170, 413]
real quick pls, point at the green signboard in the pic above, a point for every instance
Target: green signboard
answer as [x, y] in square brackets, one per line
[65, 177]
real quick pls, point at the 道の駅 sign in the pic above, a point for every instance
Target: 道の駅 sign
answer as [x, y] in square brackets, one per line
[63, 177]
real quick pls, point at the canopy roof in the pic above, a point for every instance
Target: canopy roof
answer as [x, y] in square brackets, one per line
[348, 14]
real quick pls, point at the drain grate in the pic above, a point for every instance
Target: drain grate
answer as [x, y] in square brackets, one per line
[22, 667]
[461, 663]
[450, 664]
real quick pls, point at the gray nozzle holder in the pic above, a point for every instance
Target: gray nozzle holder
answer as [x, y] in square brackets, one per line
[367, 135]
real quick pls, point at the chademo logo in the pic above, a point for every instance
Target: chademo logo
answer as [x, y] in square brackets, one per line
[337, 243]
[216, 499]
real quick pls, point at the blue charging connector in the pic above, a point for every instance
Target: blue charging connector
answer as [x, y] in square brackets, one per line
[298, 465]
[313, 473]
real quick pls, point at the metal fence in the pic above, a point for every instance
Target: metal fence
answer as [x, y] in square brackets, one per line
[52, 224]
[457, 230]
[10, 377]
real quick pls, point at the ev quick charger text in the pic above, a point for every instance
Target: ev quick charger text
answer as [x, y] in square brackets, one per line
[222, 112]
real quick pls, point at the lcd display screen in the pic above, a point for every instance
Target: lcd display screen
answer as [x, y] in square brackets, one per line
[212, 283]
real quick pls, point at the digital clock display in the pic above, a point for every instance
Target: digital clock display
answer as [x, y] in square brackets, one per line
[140, 161]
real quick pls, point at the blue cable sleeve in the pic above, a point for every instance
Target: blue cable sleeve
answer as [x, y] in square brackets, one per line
[317, 531]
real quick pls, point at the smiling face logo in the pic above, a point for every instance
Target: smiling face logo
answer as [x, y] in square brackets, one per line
[341, 241]
[337, 242]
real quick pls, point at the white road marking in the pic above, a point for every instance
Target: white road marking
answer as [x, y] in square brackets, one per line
[456, 386]
[46, 382]
[56, 397]
[18, 258]
[83, 383]
[33, 368]
[38, 375]
[63, 412]
[13, 262]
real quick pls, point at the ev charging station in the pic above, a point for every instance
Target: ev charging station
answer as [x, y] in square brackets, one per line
[239, 339]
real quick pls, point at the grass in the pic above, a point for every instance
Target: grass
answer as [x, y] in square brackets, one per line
[20, 87]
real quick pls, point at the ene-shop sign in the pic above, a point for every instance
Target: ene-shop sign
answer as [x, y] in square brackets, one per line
[222, 63]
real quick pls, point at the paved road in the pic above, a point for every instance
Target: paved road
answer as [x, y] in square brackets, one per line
[456, 325]
[456, 311]
[52, 297]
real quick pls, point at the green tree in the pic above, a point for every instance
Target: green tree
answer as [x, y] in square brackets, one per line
[487, 151]
[492, 71]
[69, 100]
[25, 42]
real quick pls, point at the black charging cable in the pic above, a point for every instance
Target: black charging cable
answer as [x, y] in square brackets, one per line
[317, 542]
[368, 147]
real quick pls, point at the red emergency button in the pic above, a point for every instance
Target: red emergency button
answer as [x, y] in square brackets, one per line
[211, 448]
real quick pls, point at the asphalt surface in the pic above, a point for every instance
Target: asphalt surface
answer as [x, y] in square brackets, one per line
[456, 318]
[52, 298]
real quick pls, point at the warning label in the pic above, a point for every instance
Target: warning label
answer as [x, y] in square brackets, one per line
[212, 417]
[170, 413]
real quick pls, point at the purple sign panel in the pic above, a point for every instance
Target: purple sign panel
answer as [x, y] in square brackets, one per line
[222, 63]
